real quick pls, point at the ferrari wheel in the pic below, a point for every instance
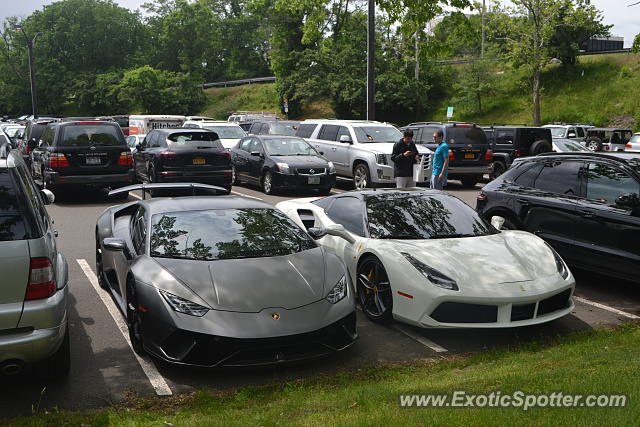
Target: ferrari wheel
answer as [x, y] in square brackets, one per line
[374, 290]
[99, 266]
[134, 319]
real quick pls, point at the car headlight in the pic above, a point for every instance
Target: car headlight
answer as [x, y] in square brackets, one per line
[339, 291]
[433, 275]
[563, 270]
[331, 167]
[284, 168]
[381, 159]
[185, 306]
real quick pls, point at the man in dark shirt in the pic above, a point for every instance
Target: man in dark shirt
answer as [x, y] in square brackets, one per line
[404, 155]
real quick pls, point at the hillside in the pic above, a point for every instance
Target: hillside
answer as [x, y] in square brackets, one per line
[601, 90]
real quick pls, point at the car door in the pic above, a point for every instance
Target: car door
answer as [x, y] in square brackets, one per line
[327, 144]
[341, 153]
[38, 155]
[347, 211]
[255, 162]
[141, 155]
[545, 201]
[607, 234]
[239, 155]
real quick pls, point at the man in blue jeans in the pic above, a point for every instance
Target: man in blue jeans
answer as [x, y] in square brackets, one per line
[440, 166]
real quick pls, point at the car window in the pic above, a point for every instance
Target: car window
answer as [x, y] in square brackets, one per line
[605, 183]
[504, 137]
[47, 137]
[39, 215]
[185, 137]
[557, 132]
[138, 230]
[152, 139]
[372, 134]
[527, 174]
[328, 132]
[580, 132]
[305, 130]
[342, 130]
[13, 224]
[90, 134]
[559, 177]
[245, 144]
[465, 135]
[426, 136]
[227, 132]
[348, 211]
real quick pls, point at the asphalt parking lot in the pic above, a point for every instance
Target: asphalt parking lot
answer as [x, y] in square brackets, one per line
[104, 368]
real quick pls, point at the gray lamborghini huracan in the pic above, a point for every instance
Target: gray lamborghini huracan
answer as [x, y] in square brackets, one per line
[222, 281]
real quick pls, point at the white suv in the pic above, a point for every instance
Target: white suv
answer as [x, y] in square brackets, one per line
[575, 132]
[229, 133]
[360, 150]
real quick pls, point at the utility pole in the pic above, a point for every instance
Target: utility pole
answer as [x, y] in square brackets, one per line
[32, 69]
[483, 31]
[371, 56]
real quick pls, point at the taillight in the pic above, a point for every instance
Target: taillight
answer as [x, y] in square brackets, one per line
[225, 153]
[42, 283]
[58, 160]
[629, 146]
[168, 155]
[488, 155]
[125, 159]
[450, 155]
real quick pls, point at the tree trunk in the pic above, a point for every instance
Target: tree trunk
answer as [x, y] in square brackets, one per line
[535, 89]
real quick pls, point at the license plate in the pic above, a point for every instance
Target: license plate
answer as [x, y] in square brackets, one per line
[469, 156]
[314, 180]
[199, 161]
[93, 160]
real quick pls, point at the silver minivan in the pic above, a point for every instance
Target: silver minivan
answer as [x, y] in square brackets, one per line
[33, 288]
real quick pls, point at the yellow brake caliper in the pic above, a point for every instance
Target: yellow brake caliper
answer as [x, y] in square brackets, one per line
[370, 277]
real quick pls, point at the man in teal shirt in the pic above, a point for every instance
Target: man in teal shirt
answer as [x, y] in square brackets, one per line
[440, 166]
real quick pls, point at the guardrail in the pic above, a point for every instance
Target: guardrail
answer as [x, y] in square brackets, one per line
[240, 82]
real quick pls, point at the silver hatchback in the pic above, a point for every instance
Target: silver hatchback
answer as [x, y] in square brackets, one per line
[33, 284]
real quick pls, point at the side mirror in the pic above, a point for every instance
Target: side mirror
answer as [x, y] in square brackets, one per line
[47, 196]
[345, 138]
[571, 135]
[332, 230]
[497, 222]
[321, 153]
[629, 200]
[114, 244]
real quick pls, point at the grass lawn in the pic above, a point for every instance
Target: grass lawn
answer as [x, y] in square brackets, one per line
[592, 362]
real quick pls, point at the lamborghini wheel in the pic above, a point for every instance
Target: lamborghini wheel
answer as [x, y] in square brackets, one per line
[374, 290]
[134, 318]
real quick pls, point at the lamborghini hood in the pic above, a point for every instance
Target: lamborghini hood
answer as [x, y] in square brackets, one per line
[250, 285]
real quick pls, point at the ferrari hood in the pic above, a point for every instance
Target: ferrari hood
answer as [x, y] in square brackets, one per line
[483, 262]
[250, 285]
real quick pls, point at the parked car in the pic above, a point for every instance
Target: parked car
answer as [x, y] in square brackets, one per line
[277, 127]
[470, 155]
[245, 118]
[228, 133]
[31, 136]
[511, 142]
[183, 155]
[586, 205]
[568, 146]
[608, 139]
[360, 150]
[633, 144]
[446, 267]
[281, 162]
[143, 124]
[88, 153]
[133, 141]
[33, 297]
[574, 131]
[222, 281]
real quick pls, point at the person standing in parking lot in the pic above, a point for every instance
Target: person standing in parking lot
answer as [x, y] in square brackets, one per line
[440, 167]
[404, 155]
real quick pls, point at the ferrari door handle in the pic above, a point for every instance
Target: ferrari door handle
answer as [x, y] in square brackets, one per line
[587, 214]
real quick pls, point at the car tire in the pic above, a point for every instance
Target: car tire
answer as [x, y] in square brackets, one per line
[324, 191]
[227, 189]
[498, 169]
[99, 265]
[361, 177]
[376, 304]
[267, 183]
[153, 179]
[540, 147]
[134, 318]
[594, 144]
[469, 181]
[57, 365]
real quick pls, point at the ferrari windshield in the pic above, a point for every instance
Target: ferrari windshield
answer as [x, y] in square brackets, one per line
[422, 216]
[225, 234]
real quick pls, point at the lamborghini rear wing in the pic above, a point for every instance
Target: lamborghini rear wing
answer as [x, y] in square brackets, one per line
[194, 187]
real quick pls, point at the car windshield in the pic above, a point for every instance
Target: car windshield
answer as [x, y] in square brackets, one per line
[365, 134]
[91, 134]
[422, 216]
[226, 234]
[288, 147]
[13, 131]
[227, 132]
[557, 132]
[566, 146]
[122, 121]
[283, 128]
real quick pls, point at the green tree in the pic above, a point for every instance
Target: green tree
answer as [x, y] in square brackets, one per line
[636, 44]
[475, 82]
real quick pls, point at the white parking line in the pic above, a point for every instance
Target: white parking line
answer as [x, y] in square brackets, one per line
[607, 308]
[157, 381]
[422, 340]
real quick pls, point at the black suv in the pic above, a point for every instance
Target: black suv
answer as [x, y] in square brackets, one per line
[277, 127]
[31, 135]
[81, 152]
[586, 205]
[470, 155]
[511, 142]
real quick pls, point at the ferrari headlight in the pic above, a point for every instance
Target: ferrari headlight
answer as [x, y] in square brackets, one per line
[381, 159]
[185, 306]
[331, 167]
[433, 275]
[560, 265]
[284, 168]
[339, 291]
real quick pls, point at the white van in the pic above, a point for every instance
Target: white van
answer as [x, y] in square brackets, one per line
[142, 125]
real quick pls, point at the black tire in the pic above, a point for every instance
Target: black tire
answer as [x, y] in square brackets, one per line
[227, 189]
[376, 301]
[594, 144]
[469, 181]
[540, 147]
[153, 179]
[267, 183]
[361, 177]
[134, 319]
[498, 169]
[324, 191]
[99, 266]
[56, 366]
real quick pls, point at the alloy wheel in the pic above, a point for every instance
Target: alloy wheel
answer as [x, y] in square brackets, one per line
[360, 178]
[374, 290]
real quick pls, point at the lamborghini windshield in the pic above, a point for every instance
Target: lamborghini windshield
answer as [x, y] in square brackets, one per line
[422, 216]
[226, 234]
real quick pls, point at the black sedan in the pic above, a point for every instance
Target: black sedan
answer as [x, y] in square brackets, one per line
[183, 155]
[586, 205]
[281, 162]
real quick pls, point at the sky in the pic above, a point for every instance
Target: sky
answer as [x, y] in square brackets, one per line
[625, 19]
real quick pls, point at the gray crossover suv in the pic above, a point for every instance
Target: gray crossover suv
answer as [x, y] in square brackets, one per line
[33, 289]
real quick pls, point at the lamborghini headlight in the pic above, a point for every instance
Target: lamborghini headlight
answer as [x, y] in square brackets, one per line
[560, 265]
[433, 275]
[339, 291]
[185, 306]
[284, 168]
